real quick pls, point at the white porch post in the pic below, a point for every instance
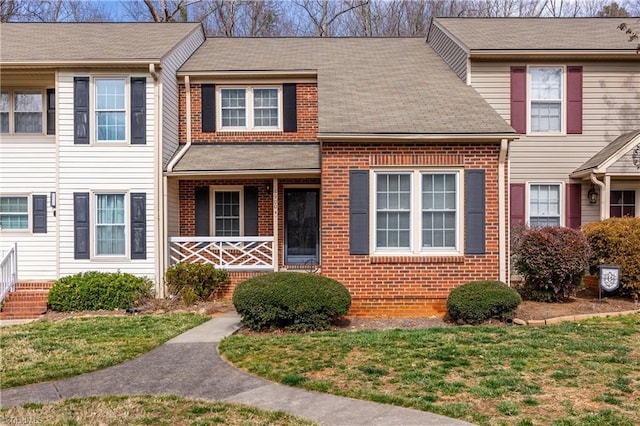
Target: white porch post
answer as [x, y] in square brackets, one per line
[275, 224]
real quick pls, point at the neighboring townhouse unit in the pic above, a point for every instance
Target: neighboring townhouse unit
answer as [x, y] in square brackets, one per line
[365, 160]
[571, 88]
[88, 120]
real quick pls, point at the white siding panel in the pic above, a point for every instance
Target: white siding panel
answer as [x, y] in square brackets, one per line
[103, 167]
[173, 204]
[611, 106]
[170, 93]
[28, 167]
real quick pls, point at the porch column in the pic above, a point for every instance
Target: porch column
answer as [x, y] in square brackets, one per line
[275, 224]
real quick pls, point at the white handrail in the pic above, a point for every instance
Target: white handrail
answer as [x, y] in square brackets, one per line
[8, 270]
[230, 253]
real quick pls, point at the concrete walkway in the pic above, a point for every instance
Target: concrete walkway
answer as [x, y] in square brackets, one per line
[189, 366]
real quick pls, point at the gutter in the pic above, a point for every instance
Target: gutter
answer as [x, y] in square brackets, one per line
[158, 190]
[407, 137]
[502, 222]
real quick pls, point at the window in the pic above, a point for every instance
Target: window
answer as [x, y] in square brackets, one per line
[226, 213]
[110, 109]
[21, 111]
[417, 211]
[110, 225]
[546, 99]
[250, 108]
[544, 205]
[14, 213]
[623, 203]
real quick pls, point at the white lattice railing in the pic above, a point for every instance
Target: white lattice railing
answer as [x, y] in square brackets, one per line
[230, 253]
[8, 270]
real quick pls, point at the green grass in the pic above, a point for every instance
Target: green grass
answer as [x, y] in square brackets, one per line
[145, 410]
[585, 373]
[50, 350]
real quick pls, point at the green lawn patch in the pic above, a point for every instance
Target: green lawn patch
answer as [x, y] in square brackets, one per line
[49, 350]
[573, 373]
[145, 410]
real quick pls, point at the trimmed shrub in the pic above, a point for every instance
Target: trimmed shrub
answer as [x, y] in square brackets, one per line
[478, 301]
[193, 282]
[88, 291]
[291, 300]
[616, 241]
[553, 261]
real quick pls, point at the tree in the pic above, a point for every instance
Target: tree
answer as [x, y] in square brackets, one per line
[53, 11]
[613, 10]
[324, 14]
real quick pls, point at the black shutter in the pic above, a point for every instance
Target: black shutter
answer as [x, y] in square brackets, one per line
[359, 212]
[51, 111]
[81, 110]
[208, 101]
[289, 100]
[474, 202]
[138, 225]
[81, 225]
[251, 211]
[138, 110]
[202, 211]
[39, 214]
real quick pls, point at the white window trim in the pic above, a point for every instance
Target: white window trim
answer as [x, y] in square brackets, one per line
[12, 111]
[415, 226]
[28, 229]
[212, 205]
[93, 125]
[249, 109]
[527, 206]
[563, 106]
[94, 223]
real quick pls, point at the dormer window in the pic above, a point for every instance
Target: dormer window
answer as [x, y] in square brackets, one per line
[250, 108]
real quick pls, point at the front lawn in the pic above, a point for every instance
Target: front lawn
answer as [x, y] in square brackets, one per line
[585, 373]
[145, 410]
[50, 350]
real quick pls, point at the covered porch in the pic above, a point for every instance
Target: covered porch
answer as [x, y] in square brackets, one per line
[246, 207]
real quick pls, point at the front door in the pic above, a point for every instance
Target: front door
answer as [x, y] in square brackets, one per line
[301, 229]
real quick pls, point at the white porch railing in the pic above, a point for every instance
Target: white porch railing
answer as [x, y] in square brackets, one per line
[8, 270]
[230, 253]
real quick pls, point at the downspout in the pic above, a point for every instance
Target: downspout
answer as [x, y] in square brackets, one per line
[502, 222]
[158, 190]
[603, 203]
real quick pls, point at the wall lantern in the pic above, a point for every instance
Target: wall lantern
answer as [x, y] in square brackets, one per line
[52, 199]
[592, 194]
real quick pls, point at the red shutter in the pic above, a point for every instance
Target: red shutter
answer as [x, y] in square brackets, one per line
[573, 206]
[516, 204]
[519, 99]
[574, 100]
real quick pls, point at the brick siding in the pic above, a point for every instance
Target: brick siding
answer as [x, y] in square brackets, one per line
[307, 114]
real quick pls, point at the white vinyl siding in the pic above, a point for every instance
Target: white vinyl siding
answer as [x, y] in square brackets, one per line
[169, 114]
[103, 168]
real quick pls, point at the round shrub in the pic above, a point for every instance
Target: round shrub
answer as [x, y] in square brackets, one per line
[478, 301]
[193, 282]
[290, 300]
[553, 261]
[88, 291]
[616, 241]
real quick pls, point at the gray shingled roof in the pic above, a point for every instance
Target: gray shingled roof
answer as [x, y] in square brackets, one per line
[76, 42]
[539, 33]
[607, 152]
[365, 85]
[250, 157]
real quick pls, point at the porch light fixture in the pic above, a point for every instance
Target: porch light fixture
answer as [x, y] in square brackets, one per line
[592, 194]
[52, 199]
